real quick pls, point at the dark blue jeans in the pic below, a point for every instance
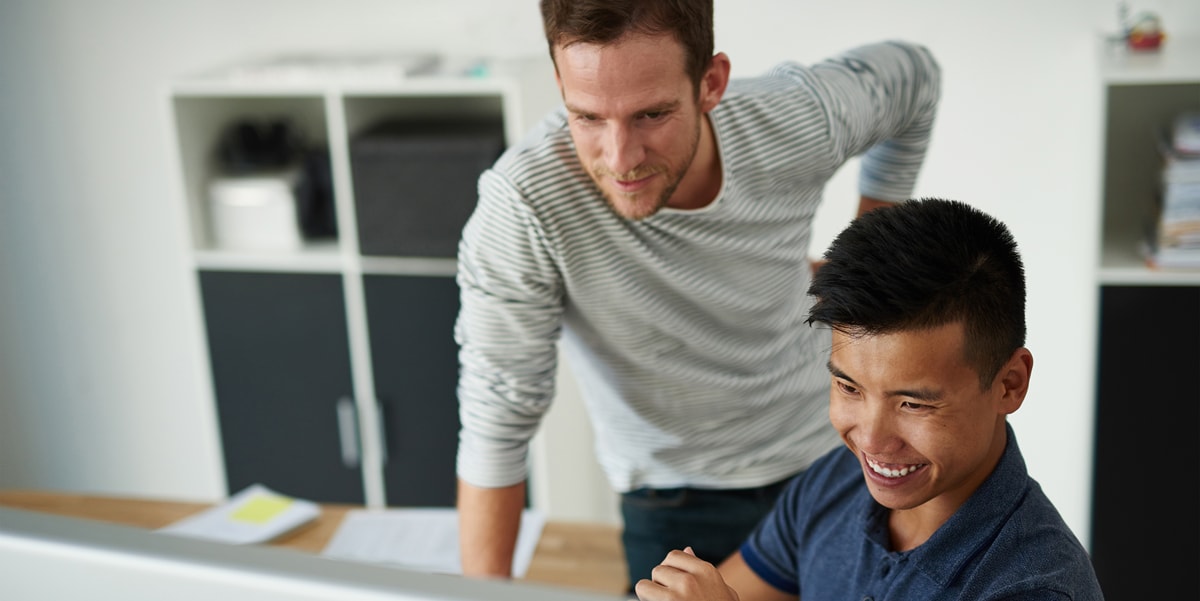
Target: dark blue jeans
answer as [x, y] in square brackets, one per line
[714, 523]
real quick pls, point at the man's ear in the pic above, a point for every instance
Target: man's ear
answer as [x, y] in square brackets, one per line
[714, 82]
[1013, 380]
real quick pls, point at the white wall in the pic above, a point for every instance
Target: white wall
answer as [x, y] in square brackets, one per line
[100, 384]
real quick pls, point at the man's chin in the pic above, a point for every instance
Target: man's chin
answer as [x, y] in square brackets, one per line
[633, 209]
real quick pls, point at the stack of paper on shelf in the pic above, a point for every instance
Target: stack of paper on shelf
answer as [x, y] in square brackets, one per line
[1174, 242]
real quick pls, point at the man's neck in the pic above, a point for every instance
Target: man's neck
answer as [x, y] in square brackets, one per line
[910, 528]
[702, 182]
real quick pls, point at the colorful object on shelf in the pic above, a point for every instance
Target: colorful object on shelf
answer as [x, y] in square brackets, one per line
[1144, 32]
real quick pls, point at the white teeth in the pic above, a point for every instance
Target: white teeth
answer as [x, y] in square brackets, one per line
[890, 473]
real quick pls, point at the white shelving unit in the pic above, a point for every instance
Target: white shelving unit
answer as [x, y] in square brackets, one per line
[332, 111]
[1145, 530]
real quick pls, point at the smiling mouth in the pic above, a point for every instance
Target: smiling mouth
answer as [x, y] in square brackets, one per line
[896, 470]
[630, 184]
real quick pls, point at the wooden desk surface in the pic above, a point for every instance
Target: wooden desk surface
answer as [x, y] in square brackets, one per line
[577, 555]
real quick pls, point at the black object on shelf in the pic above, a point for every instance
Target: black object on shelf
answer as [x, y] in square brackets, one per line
[256, 145]
[252, 146]
[415, 182]
[314, 195]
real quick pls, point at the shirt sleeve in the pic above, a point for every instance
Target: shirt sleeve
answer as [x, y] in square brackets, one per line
[507, 330]
[881, 101]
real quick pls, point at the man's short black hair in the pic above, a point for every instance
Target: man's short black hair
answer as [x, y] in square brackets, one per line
[922, 264]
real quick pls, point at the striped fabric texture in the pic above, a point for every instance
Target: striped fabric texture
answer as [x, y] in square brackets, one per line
[685, 330]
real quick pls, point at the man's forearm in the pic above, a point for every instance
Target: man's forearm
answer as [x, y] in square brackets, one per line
[488, 521]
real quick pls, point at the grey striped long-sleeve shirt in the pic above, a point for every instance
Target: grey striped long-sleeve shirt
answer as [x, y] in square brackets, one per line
[685, 330]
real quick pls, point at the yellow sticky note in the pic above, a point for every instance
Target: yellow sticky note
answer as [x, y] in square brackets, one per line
[261, 509]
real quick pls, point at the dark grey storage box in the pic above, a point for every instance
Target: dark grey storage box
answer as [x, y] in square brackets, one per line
[415, 183]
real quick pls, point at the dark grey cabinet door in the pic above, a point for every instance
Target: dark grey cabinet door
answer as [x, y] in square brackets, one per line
[415, 362]
[1145, 525]
[280, 364]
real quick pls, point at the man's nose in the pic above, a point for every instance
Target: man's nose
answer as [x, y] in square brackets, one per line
[623, 150]
[876, 430]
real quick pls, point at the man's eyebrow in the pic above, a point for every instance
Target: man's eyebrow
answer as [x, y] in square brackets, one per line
[666, 105]
[577, 111]
[837, 373]
[920, 394]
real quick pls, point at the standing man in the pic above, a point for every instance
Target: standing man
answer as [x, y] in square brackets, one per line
[659, 225]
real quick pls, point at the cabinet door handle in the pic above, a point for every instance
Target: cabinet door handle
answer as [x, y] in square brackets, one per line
[348, 431]
[383, 446]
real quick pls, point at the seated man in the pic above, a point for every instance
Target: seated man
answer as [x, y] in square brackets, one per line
[930, 498]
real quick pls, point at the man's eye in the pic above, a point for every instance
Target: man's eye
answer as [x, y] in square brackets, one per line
[654, 115]
[914, 406]
[846, 388]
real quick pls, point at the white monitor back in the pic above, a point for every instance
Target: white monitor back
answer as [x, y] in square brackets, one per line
[45, 556]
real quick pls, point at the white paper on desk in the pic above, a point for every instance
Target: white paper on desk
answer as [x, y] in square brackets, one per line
[424, 539]
[256, 514]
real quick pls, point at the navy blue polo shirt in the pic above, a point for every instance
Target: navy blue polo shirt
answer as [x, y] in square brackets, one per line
[827, 538]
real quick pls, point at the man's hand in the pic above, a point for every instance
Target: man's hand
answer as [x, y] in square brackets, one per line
[681, 576]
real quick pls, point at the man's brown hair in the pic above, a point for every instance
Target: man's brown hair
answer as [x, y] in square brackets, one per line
[570, 22]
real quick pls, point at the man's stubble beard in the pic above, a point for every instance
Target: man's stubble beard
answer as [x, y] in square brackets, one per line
[640, 172]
